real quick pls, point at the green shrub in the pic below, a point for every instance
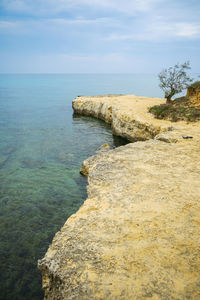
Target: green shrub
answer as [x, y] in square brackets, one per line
[179, 109]
[195, 84]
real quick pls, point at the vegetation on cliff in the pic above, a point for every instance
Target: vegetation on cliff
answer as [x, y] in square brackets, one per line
[179, 109]
[174, 80]
[195, 85]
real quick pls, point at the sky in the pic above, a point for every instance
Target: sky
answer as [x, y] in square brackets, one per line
[98, 36]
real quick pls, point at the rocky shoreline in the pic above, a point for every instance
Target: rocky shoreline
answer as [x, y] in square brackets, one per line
[137, 234]
[124, 123]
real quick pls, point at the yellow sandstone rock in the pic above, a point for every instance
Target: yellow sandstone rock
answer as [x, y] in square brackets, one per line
[194, 95]
[137, 236]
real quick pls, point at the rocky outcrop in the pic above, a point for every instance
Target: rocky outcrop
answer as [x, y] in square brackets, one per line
[129, 117]
[193, 93]
[113, 110]
[137, 234]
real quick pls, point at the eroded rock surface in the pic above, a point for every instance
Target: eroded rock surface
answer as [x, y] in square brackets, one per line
[137, 234]
[194, 95]
[129, 117]
[123, 113]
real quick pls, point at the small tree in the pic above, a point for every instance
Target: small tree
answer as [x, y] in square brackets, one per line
[174, 80]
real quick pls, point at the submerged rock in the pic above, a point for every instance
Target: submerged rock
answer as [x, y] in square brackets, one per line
[3, 159]
[5, 154]
[31, 163]
[104, 148]
[9, 149]
[64, 157]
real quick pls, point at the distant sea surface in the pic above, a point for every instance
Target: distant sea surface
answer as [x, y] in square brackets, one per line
[42, 146]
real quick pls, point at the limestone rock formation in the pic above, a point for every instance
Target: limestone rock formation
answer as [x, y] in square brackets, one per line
[193, 93]
[137, 234]
[122, 113]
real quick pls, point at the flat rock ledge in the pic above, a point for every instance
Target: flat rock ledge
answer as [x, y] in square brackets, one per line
[137, 236]
[126, 123]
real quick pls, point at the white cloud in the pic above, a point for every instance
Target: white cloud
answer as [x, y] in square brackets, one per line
[78, 21]
[128, 6]
[150, 24]
[188, 30]
[108, 29]
[73, 63]
[7, 25]
[166, 30]
[11, 27]
[15, 5]
[56, 26]
[38, 7]
[158, 31]
[123, 37]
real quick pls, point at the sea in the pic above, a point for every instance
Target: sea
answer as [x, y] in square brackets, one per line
[42, 145]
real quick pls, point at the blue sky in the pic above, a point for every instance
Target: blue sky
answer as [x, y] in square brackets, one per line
[98, 36]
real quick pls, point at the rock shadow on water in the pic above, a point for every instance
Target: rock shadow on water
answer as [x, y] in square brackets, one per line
[117, 140]
[91, 120]
[3, 159]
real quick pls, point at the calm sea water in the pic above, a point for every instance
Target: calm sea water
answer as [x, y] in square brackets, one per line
[41, 149]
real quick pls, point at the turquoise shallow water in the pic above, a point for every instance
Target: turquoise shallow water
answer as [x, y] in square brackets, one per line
[41, 149]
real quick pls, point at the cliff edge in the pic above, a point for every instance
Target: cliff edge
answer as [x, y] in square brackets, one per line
[137, 234]
[193, 93]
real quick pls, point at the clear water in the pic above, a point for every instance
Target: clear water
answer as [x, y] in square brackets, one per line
[41, 149]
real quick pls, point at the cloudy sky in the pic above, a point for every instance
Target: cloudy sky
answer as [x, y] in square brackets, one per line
[98, 36]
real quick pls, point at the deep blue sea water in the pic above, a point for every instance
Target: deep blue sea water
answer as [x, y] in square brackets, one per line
[41, 149]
